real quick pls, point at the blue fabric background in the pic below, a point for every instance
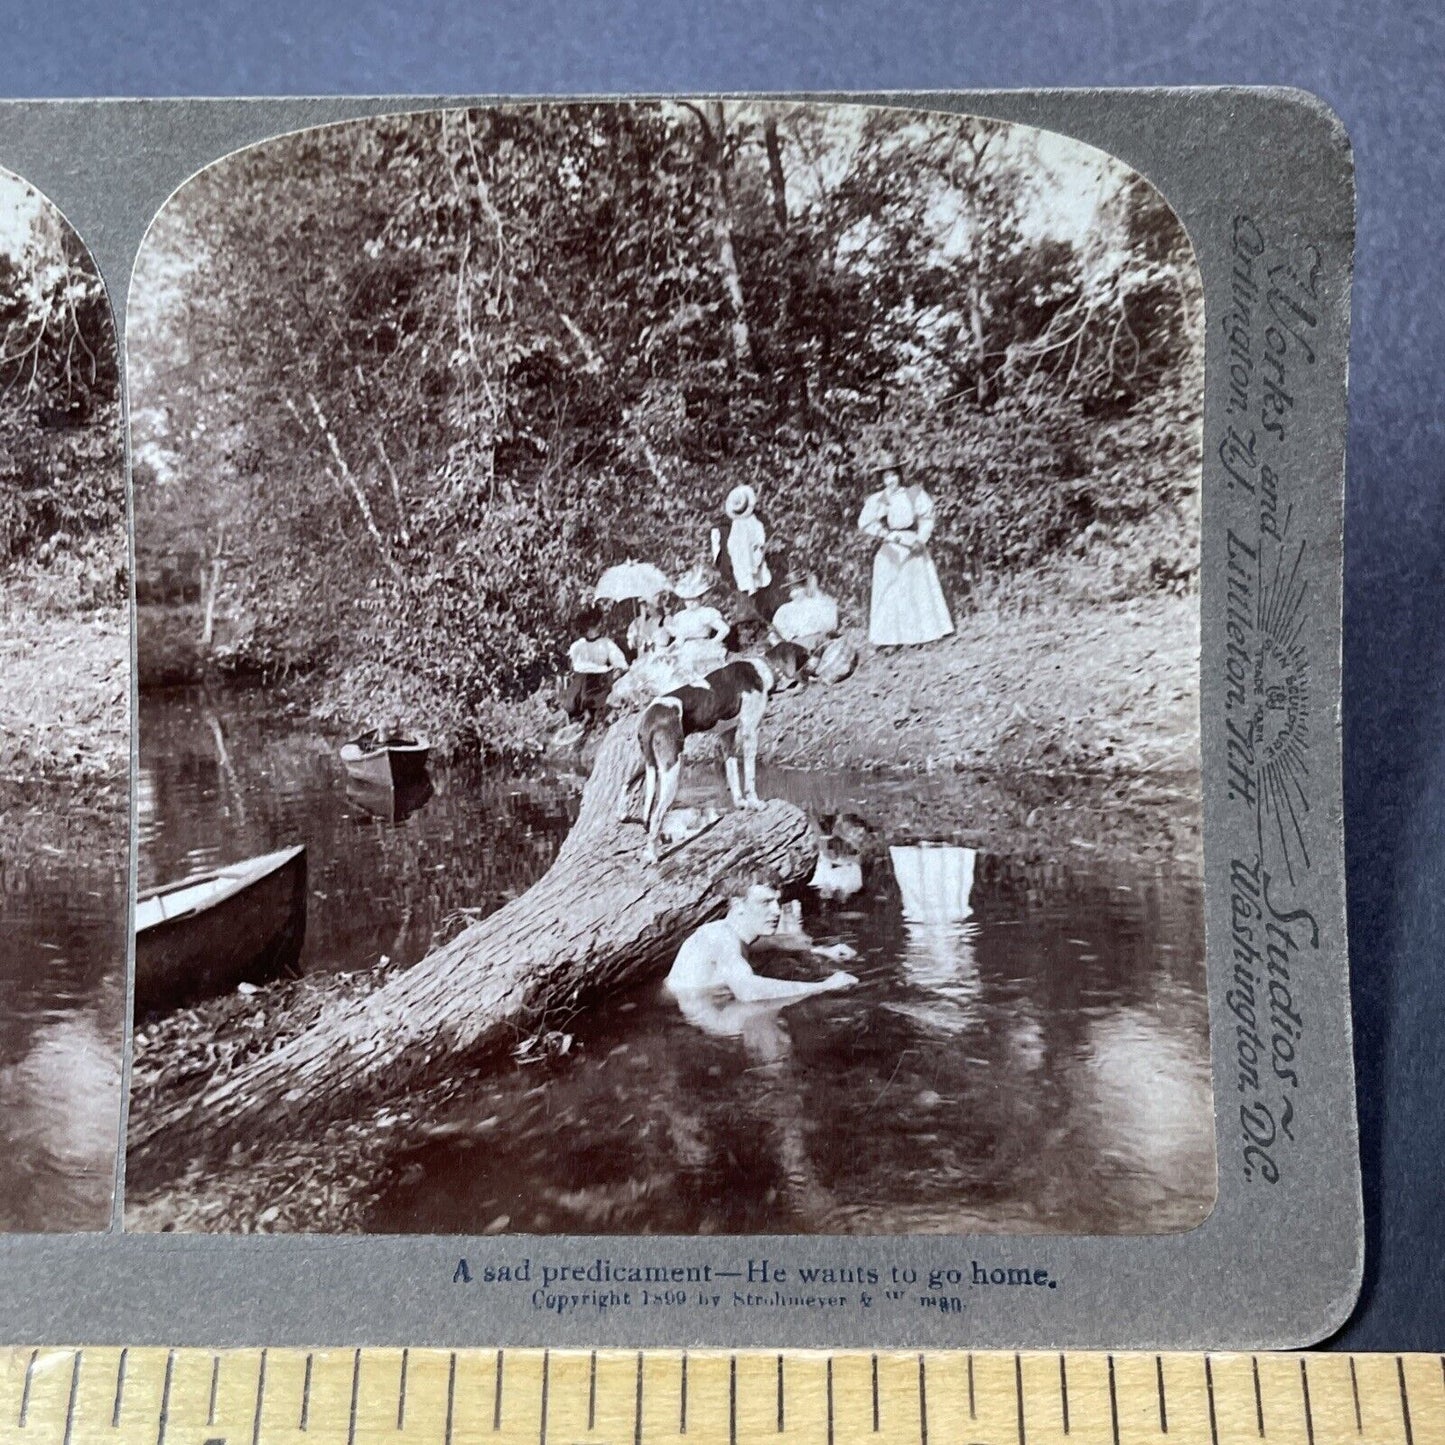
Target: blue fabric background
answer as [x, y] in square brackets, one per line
[1381, 67]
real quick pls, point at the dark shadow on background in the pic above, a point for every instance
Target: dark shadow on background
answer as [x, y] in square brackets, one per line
[1394, 736]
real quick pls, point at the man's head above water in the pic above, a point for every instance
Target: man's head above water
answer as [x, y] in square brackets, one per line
[754, 906]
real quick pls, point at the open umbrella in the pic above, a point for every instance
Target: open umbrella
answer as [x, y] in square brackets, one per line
[631, 580]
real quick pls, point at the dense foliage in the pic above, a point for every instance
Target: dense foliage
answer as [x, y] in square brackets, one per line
[62, 479]
[403, 387]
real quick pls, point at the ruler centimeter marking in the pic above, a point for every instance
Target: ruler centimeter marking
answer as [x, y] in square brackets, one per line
[154, 1396]
[830, 1400]
[923, 1405]
[1213, 1410]
[1404, 1402]
[451, 1396]
[70, 1402]
[166, 1399]
[1113, 1402]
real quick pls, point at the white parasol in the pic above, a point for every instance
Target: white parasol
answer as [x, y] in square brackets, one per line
[631, 580]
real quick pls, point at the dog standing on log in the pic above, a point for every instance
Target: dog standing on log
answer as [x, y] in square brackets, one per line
[732, 700]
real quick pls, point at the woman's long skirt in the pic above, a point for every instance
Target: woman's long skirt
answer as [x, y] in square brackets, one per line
[908, 603]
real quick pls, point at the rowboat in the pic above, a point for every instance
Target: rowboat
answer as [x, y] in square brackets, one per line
[202, 936]
[391, 764]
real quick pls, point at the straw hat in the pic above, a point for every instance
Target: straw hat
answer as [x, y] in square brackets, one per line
[741, 500]
[885, 461]
[693, 583]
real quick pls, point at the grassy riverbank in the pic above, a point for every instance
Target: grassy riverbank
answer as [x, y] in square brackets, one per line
[1071, 716]
[1101, 689]
[1104, 690]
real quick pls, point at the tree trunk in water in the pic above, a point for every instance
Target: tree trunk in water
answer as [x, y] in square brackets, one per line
[599, 919]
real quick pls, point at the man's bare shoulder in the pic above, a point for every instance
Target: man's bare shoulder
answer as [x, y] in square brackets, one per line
[700, 954]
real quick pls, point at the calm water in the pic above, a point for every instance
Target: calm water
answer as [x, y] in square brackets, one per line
[62, 1000]
[1026, 1051]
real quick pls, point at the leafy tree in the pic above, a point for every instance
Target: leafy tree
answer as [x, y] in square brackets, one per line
[405, 385]
[61, 470]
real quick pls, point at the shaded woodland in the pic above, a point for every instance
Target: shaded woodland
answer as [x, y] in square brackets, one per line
[62, 494]
[403, 387]
[64, 635]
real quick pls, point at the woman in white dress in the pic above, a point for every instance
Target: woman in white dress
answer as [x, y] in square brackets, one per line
[908, 606]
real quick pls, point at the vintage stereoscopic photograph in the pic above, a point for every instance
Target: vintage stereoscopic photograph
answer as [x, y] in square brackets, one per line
[64, 725]
[669, 681]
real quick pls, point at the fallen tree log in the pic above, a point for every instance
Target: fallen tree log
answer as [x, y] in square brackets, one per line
[600, 918]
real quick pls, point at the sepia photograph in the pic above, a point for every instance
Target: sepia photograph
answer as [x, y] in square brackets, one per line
[668, 649]
[64, 725]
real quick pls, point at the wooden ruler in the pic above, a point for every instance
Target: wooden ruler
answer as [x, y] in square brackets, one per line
[148, 1396]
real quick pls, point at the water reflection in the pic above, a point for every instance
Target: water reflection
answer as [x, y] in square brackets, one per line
[935, 884]
[1026, 1049]
[391, 804]
[223, 776]
[62, 961]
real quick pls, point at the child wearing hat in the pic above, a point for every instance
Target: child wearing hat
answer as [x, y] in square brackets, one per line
[746, 542]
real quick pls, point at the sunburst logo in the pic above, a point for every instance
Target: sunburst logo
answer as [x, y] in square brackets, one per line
[1280, 722]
